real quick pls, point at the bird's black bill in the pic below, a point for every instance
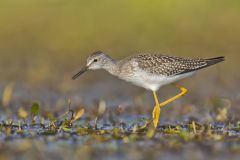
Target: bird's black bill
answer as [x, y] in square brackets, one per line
[83, 70]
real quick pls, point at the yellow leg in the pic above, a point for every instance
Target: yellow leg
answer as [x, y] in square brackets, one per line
[156, 111]
[183, 92]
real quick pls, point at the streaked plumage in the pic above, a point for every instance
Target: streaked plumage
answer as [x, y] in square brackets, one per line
[168, 65]
[150, 71]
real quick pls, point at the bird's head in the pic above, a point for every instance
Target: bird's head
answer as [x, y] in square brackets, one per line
[97, 60]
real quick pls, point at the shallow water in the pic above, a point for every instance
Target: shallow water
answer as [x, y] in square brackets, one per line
[122, 111]
[44, 43]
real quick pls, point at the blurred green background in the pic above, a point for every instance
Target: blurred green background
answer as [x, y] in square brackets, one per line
[43, 43]
[46, 41]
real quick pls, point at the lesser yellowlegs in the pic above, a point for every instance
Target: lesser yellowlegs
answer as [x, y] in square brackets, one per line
[150, 71]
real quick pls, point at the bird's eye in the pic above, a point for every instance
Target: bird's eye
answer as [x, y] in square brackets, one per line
[95, 60]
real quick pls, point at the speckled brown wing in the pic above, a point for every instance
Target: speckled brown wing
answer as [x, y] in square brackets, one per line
[171, 65]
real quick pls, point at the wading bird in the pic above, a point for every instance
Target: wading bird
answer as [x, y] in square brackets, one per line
[150, 71]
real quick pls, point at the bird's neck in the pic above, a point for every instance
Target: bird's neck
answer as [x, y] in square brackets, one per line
[111, 66]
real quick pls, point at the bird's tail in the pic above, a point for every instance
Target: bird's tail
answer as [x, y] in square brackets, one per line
[212, 61]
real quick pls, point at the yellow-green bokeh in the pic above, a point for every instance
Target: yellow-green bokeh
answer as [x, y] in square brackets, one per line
[39, 37]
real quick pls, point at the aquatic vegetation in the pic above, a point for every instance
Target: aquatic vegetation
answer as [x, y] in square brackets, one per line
[75, 127]
[43, 41]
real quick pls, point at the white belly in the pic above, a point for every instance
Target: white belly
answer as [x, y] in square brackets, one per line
[153, 82]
